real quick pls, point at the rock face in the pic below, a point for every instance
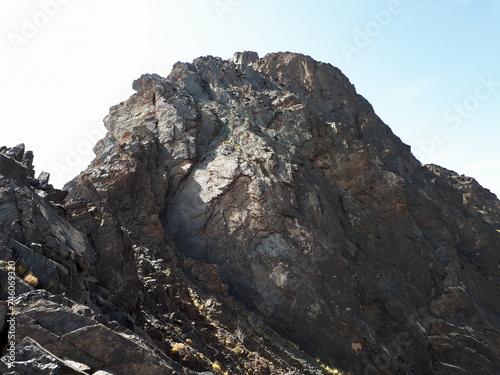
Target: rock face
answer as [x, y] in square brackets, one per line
[252, 216]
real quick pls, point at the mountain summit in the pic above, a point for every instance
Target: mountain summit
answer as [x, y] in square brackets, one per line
[249, 216]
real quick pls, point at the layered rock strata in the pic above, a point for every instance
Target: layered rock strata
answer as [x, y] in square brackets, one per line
[253, 216]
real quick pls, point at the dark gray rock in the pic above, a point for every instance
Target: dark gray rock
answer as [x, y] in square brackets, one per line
[66, 333]
[243, 59]
[56, 195]
[28, 162]
[43, 178]
[11, 169]
[329, 218]
[238, 206]
[17, 152]
[33, 359]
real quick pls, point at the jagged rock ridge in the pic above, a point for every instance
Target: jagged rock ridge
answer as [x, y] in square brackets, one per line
[237, 206]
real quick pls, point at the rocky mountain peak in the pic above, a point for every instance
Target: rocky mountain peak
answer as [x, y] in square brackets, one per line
[255, 215]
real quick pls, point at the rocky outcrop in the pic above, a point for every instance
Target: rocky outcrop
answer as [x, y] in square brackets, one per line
[55, 328]
[100, 289]
[255, 216]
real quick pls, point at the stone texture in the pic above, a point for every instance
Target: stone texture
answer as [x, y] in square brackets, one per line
[243, 59]
[318, 216]
[121, 296]
[256, 214]
[33, 359]
[65, 333]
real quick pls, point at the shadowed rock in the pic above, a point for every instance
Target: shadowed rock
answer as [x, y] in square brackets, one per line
[238, 210]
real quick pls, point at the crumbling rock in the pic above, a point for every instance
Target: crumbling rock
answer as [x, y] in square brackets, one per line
[254, 214]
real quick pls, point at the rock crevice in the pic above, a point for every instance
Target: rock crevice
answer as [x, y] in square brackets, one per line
[256, 213]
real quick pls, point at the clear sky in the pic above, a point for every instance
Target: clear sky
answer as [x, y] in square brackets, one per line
[430, 68]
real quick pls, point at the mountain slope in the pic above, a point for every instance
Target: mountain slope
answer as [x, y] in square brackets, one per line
[257, 203]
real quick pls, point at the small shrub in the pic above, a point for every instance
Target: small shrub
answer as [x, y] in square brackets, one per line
[237, 350]
[31, 279]
[20, 270]
[198, 305]
[330, 370]
[216, 367]
[177, 348]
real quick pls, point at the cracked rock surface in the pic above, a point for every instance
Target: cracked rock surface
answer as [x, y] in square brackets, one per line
[255, 216]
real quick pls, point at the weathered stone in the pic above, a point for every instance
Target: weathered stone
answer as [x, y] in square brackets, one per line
[17, 152]
[242, 59]
[82, 340]
[56, 195]
[237, 203]
[43, 178]
[28, 162]
[33, 359]
[11, 169]
[285, 194]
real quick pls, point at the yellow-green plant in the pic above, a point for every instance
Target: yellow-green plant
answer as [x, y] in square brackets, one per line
[237, 350]
[177, 348]
[31, 279]
[20, 270]
[216, 367]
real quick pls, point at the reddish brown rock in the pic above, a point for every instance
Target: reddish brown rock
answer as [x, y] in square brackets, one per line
[261, 206]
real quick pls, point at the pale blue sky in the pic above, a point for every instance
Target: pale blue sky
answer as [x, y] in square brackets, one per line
[430, 68]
